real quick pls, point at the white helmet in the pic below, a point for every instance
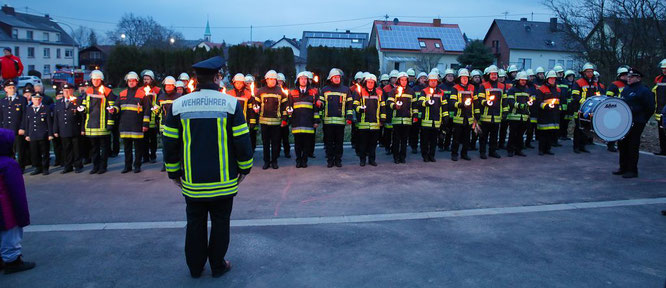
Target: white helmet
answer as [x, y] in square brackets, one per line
[180, 84]
[587, 66]
[169, 80]
[530, 72]
[491, 69]
[132, 75]
[423, 74]
[370, 77]
[569, 73]
[463, 72]
[333, 72]
[434, 70]
[522, 75]
[596, 74]
[622, 70]
[280, 77]
[411, 72]
[271, 74]
[551, 74]
[402, 74]
[358, 75]
[513, 68]
[148, 73]
[384, 77]
[540, 70]
[449, 71]
[184, 77]
[501, 73]
[249, 78]
[394, 74]
[558, 68]
[96, 74]
[433, 76]
[309, 74]
[662, 64]
[476, 72]
[302, 74]
[239, 77]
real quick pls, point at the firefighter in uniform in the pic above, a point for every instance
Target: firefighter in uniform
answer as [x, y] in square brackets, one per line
[614, 90]
[355, 87]
[150, 136]
[164, 101]
[303, 114]
[12, 111]
[519, 99]
[99, 105]
[270, 104]
[582, 89]
[641, 103]
[659, 91]
[447, 87]
[434, 113]
[402, 104]
[207, 152]
[244, 98]
[387, 134]
[133, 120]
[548, 99]
[337, 109]
[371, 110]
[38, 132]
[284, 130]
[86, 147]
[565, 87]
[463, 99]
[534, 111]
[492, 100]
[67, 128]
[415, 129]
[476, 81]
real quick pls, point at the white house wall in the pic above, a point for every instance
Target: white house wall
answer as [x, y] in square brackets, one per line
[283, 43]
[43, 64]
[386, 64]
[543, 59]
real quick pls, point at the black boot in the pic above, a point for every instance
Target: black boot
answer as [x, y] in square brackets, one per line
[362, 162]
[137, 169]
[18, 265]
[126, 169]
[338, 163]
[37, 171]
[266, 165]
[372, 162]
[274, 165]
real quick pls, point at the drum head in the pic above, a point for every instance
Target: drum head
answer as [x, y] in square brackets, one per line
[611, 119]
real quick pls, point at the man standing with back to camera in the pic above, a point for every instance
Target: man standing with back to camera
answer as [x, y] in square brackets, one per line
[207, 153]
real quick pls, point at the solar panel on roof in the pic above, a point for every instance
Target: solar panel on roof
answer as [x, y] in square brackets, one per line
[406, 37]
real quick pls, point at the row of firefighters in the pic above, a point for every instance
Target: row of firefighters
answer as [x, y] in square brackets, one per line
[450, 110]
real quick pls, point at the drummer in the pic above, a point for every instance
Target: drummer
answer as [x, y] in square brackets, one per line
[641, 102]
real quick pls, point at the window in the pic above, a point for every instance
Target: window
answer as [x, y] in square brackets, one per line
[31, 67]
[68, 53]
[525, 63]
[422, 44]
[551, 63]
[47, 52]
[31, 52]
[58, 53]
[437, 45]
[15, 33]
[47, 69]
[355, 41]
[396, 66]
[46, 36]
[58, 37]
[16, 51]
[95, 55]
[561, 63]
[29, 35]
[570, 64]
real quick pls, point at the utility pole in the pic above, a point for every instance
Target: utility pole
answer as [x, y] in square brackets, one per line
[506, 13]
[251, 36]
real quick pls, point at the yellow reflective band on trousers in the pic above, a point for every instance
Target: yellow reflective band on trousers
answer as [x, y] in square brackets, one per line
[172, 167]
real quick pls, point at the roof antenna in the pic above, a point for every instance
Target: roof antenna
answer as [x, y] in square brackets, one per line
[386, 17]
[505, 14]
[532, 16]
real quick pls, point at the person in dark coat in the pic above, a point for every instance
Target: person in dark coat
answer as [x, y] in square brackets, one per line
[14, 214]
[67, 128]
[641, 102]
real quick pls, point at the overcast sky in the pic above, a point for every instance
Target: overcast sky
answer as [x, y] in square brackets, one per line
[189, 17]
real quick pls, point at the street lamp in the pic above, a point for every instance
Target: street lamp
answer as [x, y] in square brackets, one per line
[172, 40]
[123, 36]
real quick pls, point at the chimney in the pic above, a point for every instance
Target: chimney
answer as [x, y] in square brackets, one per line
[47, 16]
[8, 10]
[436, 22]
[523, 19]
[347, 31]
[553, 24]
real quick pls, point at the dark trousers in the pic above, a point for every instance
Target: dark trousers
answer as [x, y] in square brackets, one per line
[198, 248]
[149, 144]
[85, 149]
[334, 135]
[284, 138]
[546, 139]
[414, 132]
[22, 148]
[662, 139]
[579, 138]
[312, 143]
[488, 137]
[503, 131]
[302, 143]
[71, 152]
[531, 132]
[367, 144]
[138, 152]
[57, 151]
[475, 137]
[461, 135]
[354, 137]
[39, 150]
[516, 132]
[448, 135]
[629, 147]
[564, 127]
[114, 149]
[270, 136]
[400, 138]
[387, 138]
[429, 142]
[253, 138]
[100, 151]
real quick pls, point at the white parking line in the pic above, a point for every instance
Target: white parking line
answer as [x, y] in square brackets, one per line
[352, 218]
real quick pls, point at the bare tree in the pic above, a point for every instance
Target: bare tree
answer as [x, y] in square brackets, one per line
[142, 32]
[425, 62]
[82, 36]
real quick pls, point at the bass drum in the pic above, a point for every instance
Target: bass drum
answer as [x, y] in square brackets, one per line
[609, 118]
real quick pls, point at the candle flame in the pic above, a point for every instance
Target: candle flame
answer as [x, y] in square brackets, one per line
[316, 79]
[432, 91]
[358, 89]
[224, 90]
[146, 89]
[399, 91]
[101, 89]
[252, 88]
[190, 85]
[285, 91]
